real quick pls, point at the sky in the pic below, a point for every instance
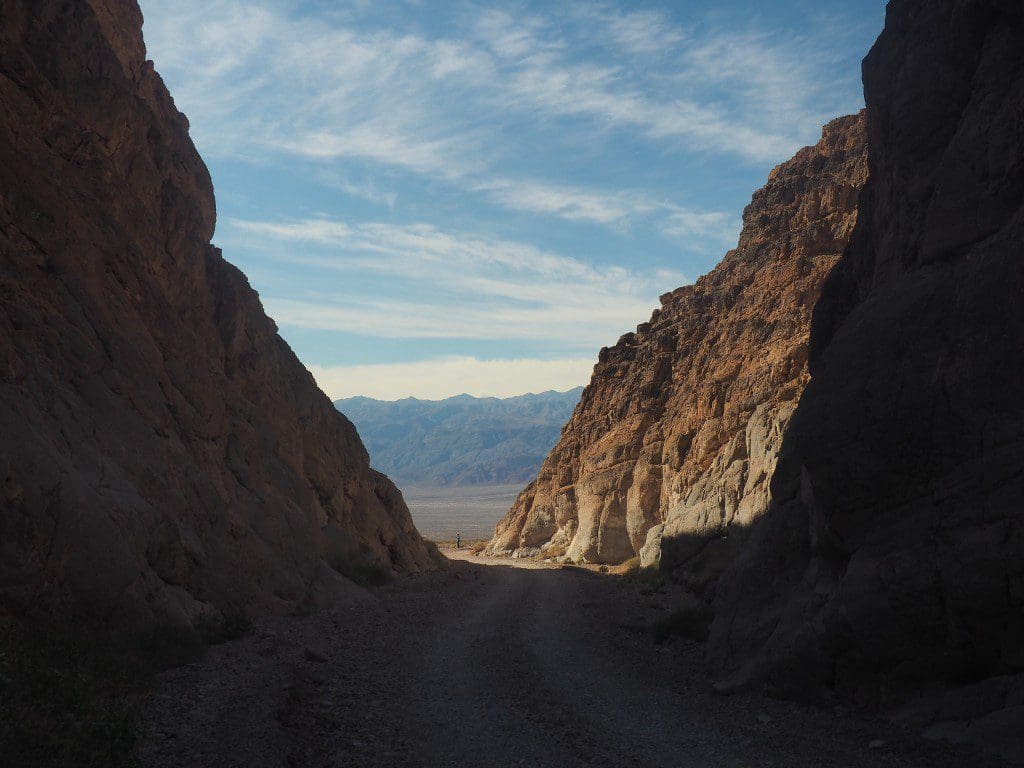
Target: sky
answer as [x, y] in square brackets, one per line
[435, 197]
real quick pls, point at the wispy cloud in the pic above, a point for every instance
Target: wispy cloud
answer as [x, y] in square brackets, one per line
[382, 142]
[448, 376]
[646, 32]
[365, 189]
[465, 286]
[684, 223]
[569, 203]
[259, 78]
[477, 132]
[620, 209]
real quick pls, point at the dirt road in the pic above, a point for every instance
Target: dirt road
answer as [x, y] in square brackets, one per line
[498, 666]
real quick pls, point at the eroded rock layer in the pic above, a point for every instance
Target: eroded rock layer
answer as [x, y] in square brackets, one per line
[164, 457]
[671, 449]
[894, 555]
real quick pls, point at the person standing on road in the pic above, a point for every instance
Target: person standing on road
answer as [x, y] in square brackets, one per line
[458, 540]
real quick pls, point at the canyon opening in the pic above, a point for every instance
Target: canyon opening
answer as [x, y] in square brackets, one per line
[584, 384]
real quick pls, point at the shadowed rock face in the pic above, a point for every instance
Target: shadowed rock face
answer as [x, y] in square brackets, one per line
[164, 457]
[670, 451]
[894, 554]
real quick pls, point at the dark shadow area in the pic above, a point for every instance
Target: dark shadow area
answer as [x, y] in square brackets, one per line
[71, 697]
[891, 562]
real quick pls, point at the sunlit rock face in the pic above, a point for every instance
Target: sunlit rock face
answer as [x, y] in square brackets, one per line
[893, 557]
[670, 452]
[164, 457]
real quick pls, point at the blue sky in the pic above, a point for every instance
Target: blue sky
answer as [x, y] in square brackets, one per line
[443, 197]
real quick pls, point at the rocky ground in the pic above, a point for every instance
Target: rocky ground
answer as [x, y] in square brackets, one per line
[489, 664]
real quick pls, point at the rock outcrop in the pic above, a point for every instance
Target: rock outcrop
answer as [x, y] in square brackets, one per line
[165, 459]
[893, 557]
[881, 511]
[671, 449]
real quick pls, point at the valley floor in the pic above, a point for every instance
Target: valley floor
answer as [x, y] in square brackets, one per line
[471, 510]
[490, 664]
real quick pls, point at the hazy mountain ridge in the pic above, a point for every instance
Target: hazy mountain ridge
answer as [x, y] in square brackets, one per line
[461, 440]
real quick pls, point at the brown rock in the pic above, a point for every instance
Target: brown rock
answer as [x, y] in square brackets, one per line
[894, 556]
[669, 453]
[165, 458]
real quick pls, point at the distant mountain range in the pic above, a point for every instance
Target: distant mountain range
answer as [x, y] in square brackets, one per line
[462, 440]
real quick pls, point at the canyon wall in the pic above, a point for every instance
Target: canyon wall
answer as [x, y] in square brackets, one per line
[165, 459]
[893, 557]
[828, 450]
[670, 452]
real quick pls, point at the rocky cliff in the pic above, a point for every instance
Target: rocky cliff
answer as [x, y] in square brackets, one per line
[893, 558]
[867, 535]
[165, 458]
[671, 449]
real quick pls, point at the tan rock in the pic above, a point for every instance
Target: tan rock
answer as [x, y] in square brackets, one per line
[892, 558]
[672, 447]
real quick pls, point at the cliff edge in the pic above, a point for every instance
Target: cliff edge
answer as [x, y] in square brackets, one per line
[671, 449]
[893, 558]
[165, 457]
